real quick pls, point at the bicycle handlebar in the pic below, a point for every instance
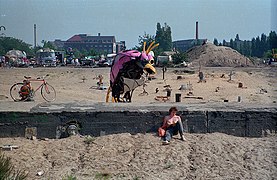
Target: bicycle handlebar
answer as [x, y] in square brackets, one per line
[43, 77]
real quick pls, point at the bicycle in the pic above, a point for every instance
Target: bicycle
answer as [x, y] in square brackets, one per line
[24, 91]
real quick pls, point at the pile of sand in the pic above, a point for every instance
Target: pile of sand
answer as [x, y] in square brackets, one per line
[210, 55]
[142, 156]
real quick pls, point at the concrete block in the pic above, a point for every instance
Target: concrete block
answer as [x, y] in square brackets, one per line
[229, 122]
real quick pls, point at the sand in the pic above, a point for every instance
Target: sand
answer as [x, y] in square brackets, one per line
[141, 156]
[71, 88]
[210, 55]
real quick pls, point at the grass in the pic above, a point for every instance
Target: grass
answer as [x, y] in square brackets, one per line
[70, 177]
[168, 166]
[7, 170]
[88, 140]
[103, 176]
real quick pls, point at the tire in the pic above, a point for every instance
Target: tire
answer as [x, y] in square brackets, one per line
[15, 92]
[48, 92]
[72, 129]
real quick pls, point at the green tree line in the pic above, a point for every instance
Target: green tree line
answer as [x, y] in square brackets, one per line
[261, 46]
[9, 43]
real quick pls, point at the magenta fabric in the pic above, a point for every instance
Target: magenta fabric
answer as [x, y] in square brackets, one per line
[124, 57]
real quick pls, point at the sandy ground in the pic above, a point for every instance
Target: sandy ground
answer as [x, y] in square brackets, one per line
[71, 88]
[210, 55]
[141, 156]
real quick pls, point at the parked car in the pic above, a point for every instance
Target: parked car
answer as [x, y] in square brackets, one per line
[46, 57]
[85, 61]
[104, 63]
[107, 62]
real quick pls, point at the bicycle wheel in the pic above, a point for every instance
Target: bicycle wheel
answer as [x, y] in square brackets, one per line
[15, 92]
[48, 92]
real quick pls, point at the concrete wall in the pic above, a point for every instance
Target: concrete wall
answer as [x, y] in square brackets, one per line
[252, 123]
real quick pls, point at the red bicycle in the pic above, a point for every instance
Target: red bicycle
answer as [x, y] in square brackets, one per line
[23, 91]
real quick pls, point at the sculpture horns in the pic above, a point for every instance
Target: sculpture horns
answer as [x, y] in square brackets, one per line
[144, 44]
[151, 46]
[156, 45]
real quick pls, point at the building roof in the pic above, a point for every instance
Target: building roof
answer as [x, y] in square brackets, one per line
[169, 53]
[188, 41]
[75, 38]
[86, 38]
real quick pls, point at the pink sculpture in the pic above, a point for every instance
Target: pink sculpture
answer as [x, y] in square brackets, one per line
[127, 70]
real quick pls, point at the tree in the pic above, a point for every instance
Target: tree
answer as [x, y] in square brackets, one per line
[179, 57]
[272, 40]
[168, 38]
[237, 43]
[264, 45]
[163, 37]
[253, 47]
[93, 52]
[259, 52]
[148, 38]
[245, 48]
[224, 42]
[159, 34]
[261, 46]
[10, 43]
[237, 37]
[83, 53]
[48, 44]
[215, 42]
[231, 43]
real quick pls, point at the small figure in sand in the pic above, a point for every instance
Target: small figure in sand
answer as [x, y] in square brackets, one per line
[172, 124]
[201, 77]
[100, 82]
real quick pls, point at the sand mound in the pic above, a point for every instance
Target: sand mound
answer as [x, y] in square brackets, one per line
[210, 55]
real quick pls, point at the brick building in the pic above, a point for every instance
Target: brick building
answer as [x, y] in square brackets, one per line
[99, 43]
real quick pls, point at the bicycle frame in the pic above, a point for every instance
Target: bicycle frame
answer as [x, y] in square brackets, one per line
[43, 82]
[18, 93]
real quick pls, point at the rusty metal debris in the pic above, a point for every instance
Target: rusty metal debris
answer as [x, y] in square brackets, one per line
[194, 97]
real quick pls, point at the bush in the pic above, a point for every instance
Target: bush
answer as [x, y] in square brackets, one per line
[179, 58]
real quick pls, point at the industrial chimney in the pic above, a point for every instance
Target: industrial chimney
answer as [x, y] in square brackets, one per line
[35, 35]
[196, 34]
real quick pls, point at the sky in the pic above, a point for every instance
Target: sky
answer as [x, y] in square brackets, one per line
[129, 19]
